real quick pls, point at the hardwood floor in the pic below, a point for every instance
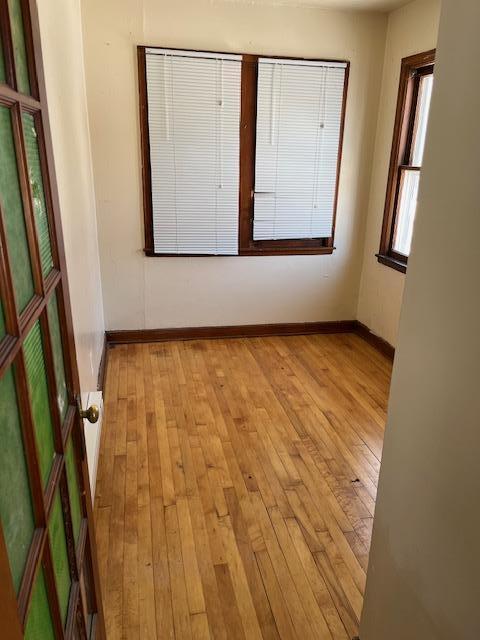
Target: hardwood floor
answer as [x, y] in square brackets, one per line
[236, 486]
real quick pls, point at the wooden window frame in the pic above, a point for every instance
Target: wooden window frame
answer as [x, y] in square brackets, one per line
[247, 246]
[413, 68]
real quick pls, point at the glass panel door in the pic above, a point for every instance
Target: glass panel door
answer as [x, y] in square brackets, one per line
[48, 566]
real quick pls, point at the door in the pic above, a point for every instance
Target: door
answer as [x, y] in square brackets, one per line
[49, 585]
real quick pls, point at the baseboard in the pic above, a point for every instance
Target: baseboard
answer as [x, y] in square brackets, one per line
[236, 331]
[376, 341]
[132, 336]
[102, 369]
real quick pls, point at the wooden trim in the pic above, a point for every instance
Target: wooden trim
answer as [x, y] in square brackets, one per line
[53, 483]
[69, 532]
[6, 38]
[400, 153]
[68, 424]
[10, 97]
[376, 341]
[137, 336]
[72, 609]
[81, 542]
[255, 251]
[11, 626]
[248, 136]
[321, 248]
[390, 261]
[52, 593]
[236, 331]
[29, 48]
[246, 245]
[145, 155]
[340, 151]
[7, 289]
[102, 369]
[34, 558]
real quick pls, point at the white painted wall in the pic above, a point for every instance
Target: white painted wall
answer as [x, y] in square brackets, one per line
[424, 563]
[172, 292]
[62, 44]
[411, 29]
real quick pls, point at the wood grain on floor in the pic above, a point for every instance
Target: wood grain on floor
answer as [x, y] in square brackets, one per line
[236, 487]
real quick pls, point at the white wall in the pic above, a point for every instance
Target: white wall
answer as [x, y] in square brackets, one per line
[423, 579]
[411, 29]
[61, 32]
[171, 292]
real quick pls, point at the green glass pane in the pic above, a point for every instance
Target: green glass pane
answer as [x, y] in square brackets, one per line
[37, 384]
[19, 48]
[39, 619]
[73, 490]
[10, 197]
[15, 501]
[58, 542]
[56, 339]
[2, 62]
[38, 193]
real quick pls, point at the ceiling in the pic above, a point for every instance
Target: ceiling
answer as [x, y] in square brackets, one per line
[361, 5]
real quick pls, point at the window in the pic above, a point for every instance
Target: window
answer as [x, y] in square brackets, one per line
[193, 125]
[241, 154]
[415, 92]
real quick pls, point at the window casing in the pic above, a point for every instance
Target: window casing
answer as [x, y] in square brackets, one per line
[327, 125]
[416, 81]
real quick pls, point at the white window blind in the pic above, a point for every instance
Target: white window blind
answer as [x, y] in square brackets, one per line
[194, 120]
[299, 113]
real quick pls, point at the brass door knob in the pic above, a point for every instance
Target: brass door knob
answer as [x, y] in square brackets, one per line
[91, 414]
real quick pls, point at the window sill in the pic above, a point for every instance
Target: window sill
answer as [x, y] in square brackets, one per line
[393, 263]
[247, 252]
[286, 251]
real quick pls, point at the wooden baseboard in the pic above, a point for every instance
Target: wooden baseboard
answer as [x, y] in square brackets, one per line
[237, 331]
[132, 336]
[102, 369]
[376, 341]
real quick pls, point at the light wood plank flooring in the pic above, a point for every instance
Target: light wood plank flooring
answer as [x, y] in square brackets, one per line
[236, 487]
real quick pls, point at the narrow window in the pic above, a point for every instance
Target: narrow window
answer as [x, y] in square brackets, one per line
[416, 83]
[192, 113]
[289, 194]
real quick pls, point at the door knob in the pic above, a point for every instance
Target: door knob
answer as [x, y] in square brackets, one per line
[91, 414]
